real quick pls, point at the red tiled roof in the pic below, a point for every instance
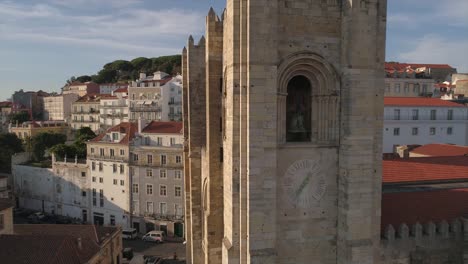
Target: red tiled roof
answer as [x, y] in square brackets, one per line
[422, 207]
[425, 169]
[398, 66]
[39, 249]
[89, 98]
[90, 236]
[439, 150]
[121, 90]
[419, 101]
[164, 127]
[129, 129]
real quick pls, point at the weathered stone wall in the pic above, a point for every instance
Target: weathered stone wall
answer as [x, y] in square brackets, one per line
[212, 177]
[339, 46]
[196, 136]
[429, 243]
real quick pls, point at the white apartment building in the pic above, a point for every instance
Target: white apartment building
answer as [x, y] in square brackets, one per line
[421, 121]
[409, 87]
[85, 113]
[157, 97]
[107, 158]
[61, 190]
[157, 178]
[113, 110]
[109, 88]
[58, 107]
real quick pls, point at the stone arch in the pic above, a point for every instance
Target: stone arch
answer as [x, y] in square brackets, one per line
[324, 96]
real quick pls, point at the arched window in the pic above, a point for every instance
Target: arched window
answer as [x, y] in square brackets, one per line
[298, 110]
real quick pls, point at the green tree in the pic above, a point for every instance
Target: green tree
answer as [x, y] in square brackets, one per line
[62, 150]
[19, 117]
[43, 141]
[9, 145]
[83, 78]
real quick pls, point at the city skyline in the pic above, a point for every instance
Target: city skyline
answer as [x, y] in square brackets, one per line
[42, 45]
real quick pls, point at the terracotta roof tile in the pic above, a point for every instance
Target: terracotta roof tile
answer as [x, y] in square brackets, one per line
[121, 90]
[129, 129]
[422, 207]
[397, 65]
[39, 249]
[419, 101]
[89, 98]
[164, 127]
[438, 150]
[62, 239]
[425, 169]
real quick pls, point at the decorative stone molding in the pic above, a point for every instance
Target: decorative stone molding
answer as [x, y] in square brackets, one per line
[325, 95]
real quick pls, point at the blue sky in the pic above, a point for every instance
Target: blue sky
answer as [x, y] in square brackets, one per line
[43, 43]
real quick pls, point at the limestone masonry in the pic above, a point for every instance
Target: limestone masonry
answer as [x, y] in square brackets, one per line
[284, 139]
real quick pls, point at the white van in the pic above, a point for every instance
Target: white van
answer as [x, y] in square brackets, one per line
[129, 233]
[154, 236]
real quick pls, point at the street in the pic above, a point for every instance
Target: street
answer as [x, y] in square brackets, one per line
[165, 250]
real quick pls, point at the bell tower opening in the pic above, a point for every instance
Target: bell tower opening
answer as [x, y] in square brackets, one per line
[298, 110]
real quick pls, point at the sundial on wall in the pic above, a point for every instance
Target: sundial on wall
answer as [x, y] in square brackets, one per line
[305, 183]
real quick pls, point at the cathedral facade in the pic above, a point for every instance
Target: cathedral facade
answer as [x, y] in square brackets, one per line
[283, 128]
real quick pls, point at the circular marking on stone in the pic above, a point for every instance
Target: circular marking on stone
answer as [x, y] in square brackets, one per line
[304, 183]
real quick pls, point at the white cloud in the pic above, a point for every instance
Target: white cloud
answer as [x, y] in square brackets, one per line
[130, 29]
[437, 49]
[95, 3]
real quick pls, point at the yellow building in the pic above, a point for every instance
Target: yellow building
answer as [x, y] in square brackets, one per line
[31, 128]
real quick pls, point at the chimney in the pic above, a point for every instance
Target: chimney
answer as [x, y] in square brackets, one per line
[80, 245]
[142, 75]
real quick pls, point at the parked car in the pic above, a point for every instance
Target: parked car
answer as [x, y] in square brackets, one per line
[129, 233]
[36, 216]
[154, 236]
[152, 260]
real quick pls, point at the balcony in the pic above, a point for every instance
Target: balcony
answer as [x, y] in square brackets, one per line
[164, 216]
[107, 158]
[85, 121]
[174, 103]
[92, 111]
[116, 115]
[149, 108]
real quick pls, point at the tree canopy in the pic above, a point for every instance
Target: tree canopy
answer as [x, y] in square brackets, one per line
[9, 145]
[43, 141]
[123, 70]
[78, 148]
[19, 117]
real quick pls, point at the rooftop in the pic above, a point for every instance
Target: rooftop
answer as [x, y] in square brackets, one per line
[89, 98]
[425, 169]
[419, 101]
[399, 66]
[53, 243]
[440, 150]
[164, 127]
[127, 128]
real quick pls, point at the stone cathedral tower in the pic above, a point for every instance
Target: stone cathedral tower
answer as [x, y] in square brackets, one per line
[283, 126]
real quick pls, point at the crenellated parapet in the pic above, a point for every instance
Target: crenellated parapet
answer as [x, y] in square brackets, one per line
[419, 241]
[423, 232]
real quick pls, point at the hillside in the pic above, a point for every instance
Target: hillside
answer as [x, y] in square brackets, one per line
[122, 70]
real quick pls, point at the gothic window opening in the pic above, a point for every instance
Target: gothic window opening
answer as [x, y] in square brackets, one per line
[298, 110]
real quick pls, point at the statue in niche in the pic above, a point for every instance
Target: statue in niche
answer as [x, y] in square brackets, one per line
[298, 110]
